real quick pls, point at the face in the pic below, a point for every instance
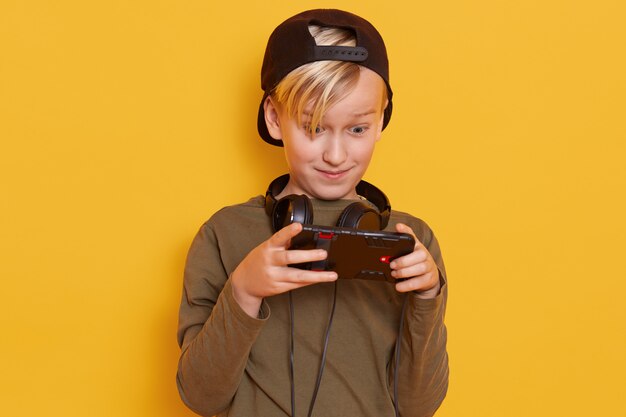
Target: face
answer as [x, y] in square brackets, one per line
[329, 164]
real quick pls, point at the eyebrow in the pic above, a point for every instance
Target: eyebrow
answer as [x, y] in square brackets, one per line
[365, 113]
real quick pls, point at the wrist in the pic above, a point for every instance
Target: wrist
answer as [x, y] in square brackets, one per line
[248, 303]
[430, 293]
[433, 292]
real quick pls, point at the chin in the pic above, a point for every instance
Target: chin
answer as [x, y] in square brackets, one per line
[334, 193]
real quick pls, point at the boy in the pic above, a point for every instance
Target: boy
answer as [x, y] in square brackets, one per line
[260, 338]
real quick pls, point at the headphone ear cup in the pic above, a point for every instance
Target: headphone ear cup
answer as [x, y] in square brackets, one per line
[292, 209]
[360, 216]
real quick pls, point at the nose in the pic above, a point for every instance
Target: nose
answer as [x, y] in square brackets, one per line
[335, 152]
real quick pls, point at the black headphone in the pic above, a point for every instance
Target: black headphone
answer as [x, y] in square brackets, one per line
[298, 208]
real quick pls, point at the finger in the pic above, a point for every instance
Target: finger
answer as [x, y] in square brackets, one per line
[298, 256]
[412, 271]
[419, 255]
[282, 238]
[293, 278]
[403, 228]
[415, 284]
[302, 277]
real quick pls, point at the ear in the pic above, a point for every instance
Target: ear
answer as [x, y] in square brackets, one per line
[272, 120]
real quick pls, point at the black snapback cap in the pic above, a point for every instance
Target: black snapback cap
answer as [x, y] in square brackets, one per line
[291, 45]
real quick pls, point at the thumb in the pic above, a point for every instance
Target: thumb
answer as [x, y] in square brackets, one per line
[403, 228]
[282, 238]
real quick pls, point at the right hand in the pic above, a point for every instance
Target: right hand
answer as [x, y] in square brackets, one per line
[265, 272]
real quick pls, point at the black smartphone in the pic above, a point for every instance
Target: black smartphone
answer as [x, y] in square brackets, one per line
[353, 253]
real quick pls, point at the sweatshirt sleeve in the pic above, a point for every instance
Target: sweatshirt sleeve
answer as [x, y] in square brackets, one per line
[423, 375]
[214, 333]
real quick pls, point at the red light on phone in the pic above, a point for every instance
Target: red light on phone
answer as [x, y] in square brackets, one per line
[328, 235]
[385, 259]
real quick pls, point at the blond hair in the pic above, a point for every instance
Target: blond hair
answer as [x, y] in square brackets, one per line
[319, 84]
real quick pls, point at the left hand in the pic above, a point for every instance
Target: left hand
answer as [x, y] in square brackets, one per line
[418, 267]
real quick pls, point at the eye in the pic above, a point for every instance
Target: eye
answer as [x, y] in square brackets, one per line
[358, 130]
[318, 129]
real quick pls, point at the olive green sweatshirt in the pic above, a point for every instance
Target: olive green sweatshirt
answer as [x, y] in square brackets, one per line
[236, 365]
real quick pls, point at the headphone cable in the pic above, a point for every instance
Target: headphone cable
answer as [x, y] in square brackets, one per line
[291, 359]
[397, 358]
[322, 361]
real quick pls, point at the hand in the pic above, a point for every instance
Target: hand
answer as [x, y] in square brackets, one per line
[418, 266]
[265, 272]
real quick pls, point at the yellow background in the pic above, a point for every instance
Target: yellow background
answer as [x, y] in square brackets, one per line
[125, 124]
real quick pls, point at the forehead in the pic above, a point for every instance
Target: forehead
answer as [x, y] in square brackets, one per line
[365, 96]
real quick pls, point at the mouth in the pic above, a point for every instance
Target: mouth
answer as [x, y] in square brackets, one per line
[333, 174]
